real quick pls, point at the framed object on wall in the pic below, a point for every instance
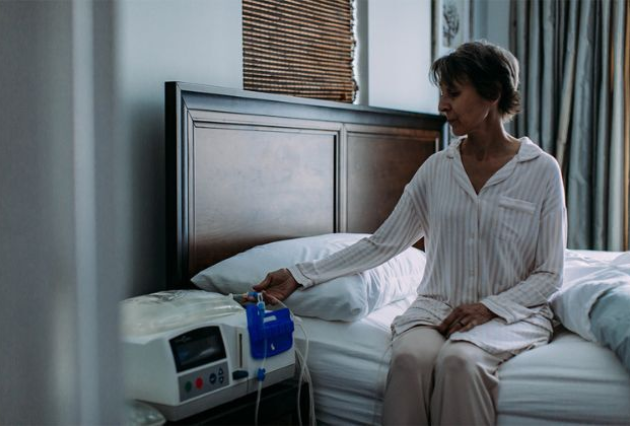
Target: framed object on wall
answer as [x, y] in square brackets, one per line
[451, 25]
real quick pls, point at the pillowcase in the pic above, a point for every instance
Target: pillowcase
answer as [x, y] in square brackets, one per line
[346, 298]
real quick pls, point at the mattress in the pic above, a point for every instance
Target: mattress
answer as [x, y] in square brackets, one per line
[348, 364]
[568, 381]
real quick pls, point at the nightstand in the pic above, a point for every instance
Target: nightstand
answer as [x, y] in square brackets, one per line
[278, 406]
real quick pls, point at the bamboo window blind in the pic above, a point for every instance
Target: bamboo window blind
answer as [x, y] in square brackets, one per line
[299, 47]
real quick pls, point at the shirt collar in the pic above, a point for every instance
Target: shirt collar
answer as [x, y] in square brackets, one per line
[528, 150]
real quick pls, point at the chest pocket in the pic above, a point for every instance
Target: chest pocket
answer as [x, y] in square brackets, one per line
[515, 218]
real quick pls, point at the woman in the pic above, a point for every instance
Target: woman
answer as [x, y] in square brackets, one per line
[491, 210]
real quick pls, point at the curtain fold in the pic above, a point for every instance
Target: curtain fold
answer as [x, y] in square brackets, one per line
[603, 132]
[575, 106]
[619, 116]
[566, 82]
[580, 187]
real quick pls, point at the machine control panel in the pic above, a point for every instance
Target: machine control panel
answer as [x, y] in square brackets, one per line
[203, 381]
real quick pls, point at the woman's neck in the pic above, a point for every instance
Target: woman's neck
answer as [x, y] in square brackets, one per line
[491, 142]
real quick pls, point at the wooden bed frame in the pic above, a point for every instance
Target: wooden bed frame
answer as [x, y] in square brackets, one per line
[245, 168]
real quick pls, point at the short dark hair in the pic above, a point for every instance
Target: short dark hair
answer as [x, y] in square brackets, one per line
[492, 70]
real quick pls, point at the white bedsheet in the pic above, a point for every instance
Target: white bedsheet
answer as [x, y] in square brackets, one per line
[549, 385]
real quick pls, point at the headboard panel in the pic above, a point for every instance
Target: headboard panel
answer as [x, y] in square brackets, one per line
[382, 161]
[245, 179]
[245, 168]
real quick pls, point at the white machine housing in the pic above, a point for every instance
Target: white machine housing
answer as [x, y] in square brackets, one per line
[199, 366]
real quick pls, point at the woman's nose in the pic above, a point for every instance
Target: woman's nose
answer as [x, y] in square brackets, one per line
[443, 105]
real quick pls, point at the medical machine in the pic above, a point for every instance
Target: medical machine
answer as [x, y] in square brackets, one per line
[187, 351]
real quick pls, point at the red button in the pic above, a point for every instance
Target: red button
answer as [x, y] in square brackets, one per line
[199, 382]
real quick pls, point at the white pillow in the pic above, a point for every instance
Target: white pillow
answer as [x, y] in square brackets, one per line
[345, 299]
[574, 302]
[585, 281]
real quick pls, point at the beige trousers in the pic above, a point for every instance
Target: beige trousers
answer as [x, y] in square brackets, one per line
[436, 381]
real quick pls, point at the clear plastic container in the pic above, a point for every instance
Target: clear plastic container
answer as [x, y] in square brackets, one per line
[170, 310]
[141, 414]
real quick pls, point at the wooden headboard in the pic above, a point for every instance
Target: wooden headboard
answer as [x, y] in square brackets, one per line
[245, 168]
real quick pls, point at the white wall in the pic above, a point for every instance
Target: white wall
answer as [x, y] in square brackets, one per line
[197, 41]
[400, 55]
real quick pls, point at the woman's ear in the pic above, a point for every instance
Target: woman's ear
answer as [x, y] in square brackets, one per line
[499, 93]
[498, 96]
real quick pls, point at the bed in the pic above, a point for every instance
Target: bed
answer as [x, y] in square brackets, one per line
[246, 170]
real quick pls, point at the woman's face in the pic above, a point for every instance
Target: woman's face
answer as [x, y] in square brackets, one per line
[465, 110]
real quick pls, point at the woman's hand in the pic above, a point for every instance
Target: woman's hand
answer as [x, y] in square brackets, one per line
[277, 286]
[465, 317]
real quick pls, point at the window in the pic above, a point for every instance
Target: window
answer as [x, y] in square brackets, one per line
[299, 47]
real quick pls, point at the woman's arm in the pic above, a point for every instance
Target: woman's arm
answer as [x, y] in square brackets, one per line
[546, 278]
[399, 232]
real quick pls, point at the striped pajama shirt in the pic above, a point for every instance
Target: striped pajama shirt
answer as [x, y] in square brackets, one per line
[503, 247]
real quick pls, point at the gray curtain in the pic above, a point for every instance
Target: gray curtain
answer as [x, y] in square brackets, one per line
[572, 59]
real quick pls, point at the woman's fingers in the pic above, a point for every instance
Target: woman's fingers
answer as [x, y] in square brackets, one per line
[464, 318]
[448, 322]
[276, 286]
[456, 325]
[271, 299]
[465, 324]
[462, 322]
[262, 285]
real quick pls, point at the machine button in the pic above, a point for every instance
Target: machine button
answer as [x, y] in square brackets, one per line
[239, 374]
[213, 378]
[220, 371]
[188, 386]
[199, 383]
[221, 380]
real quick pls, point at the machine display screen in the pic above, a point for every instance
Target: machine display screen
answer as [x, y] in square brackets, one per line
[197, 347]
